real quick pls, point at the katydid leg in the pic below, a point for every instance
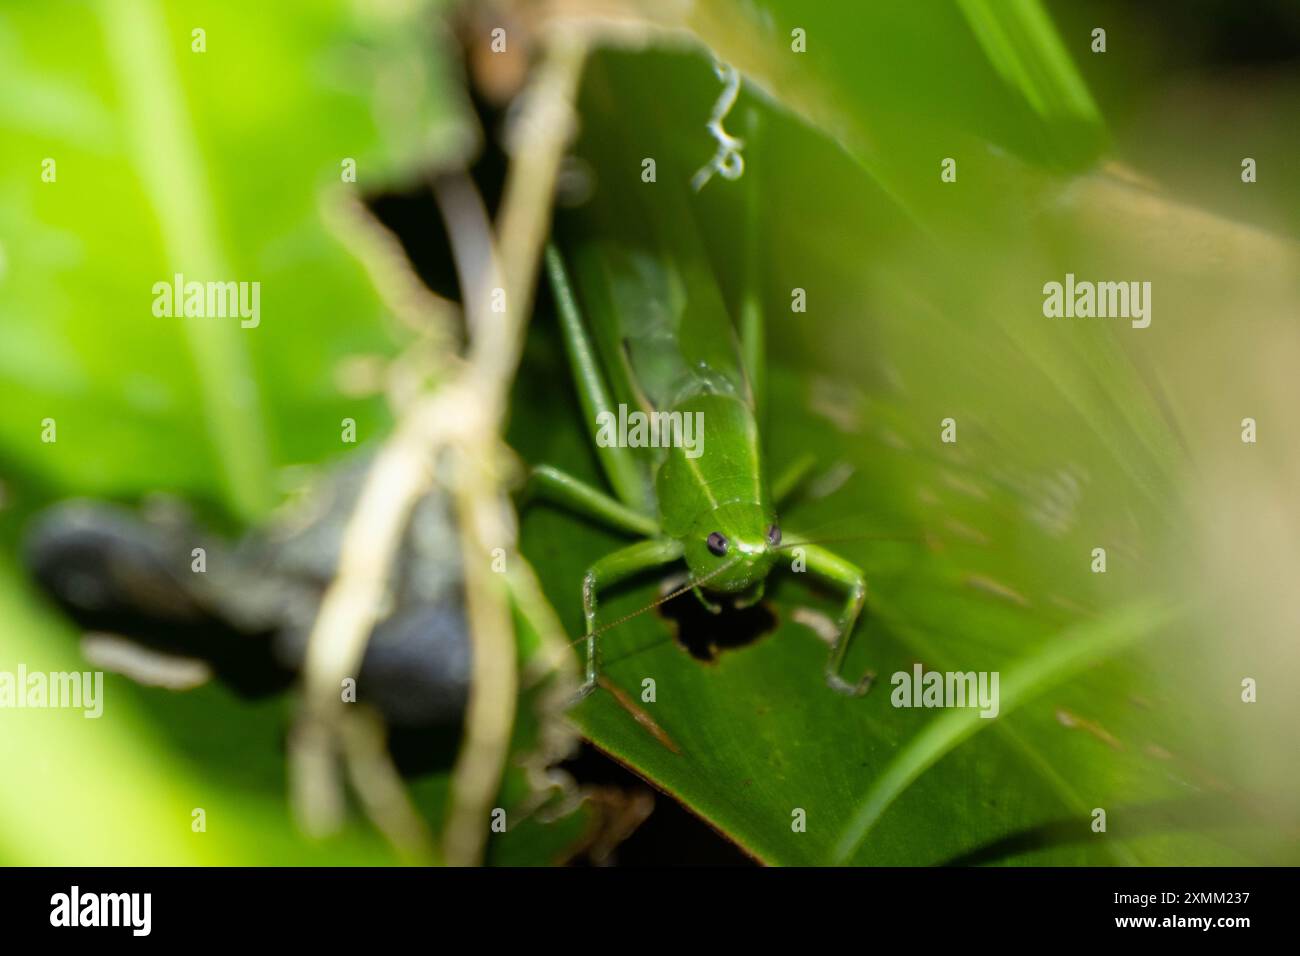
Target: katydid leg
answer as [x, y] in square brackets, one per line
[848, 577]
[753, 342]
[713, 607]
[576, 495]
[620, 465]
[608, 571]
[754, 595]
[752, 348]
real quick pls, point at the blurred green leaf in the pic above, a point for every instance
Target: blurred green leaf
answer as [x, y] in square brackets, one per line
[215, 165]
[110, 791]
[219, 165]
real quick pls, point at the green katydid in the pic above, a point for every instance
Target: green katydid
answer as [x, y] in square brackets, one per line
[679, 353]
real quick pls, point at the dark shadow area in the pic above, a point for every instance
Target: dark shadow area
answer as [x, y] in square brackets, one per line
[418, 751]
[414, 218]
[704, 634]
[670, 836]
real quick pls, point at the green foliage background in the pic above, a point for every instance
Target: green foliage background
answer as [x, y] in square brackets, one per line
[1120, 691]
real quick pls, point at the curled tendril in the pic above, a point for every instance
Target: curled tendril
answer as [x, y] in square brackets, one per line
[727, 161]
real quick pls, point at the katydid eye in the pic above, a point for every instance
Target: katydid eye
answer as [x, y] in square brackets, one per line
[717, 543]
[774, 535]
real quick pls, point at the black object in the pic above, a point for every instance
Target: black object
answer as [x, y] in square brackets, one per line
[250, 609]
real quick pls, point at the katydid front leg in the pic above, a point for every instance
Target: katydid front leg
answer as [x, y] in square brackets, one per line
[713, 607]
[610, 570]
[833, 569]
[752, 598]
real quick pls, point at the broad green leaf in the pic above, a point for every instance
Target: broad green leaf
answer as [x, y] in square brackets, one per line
[979, 554]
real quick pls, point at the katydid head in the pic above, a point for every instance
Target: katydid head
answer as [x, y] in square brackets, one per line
[732, 547]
